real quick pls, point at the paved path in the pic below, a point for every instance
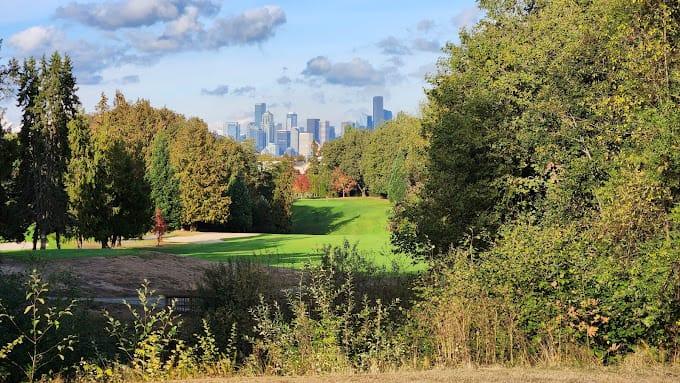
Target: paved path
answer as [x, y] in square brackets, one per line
[181, 237]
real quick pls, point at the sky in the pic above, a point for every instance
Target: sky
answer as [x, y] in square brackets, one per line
[215, 59]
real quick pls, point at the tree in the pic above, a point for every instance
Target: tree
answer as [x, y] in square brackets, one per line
[159, 226]
[203, 176]
[10, 216]
[163, 181]
[533, 116]
[301, 185]
[342, 183]
[86, 205]
[346, 153]
[241, 208]
[398, 181]
[48, 101]
[403, 138]
[282, 196]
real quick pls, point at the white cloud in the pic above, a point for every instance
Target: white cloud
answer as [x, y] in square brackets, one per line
[357, 72]
[132, 13]
[467, 17]
[34, 39]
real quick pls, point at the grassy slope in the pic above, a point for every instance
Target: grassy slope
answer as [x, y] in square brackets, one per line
[315, 223]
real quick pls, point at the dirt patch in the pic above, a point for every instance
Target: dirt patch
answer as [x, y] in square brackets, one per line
[479, 375]
[120, 276]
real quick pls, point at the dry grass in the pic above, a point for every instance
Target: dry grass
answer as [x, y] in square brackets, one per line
[479, 375]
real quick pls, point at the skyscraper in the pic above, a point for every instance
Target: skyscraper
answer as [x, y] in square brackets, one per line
[268, 126]
[295, 140]
[324, 132]
[282, 141]
[291, 120]
[369, 122]
[313, 127]
[378, 112]
[306, 142]
[234, 130]
[388, 115]
[259, 111]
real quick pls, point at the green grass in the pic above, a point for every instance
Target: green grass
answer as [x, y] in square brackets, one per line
[361, 221]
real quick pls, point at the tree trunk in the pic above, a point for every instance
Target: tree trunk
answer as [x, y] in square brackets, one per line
[58, 240]
[105, 244]
[119, 240]
[43, 241]
[35, 240]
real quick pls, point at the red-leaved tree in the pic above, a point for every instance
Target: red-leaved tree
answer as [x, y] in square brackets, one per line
[159, 226]
[301, 185]
[343, 183]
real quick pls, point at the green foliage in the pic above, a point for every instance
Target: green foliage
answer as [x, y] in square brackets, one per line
[47, 97]
[33, 349]
[329, 331]
[346, 154]
[203, 175]
[283, 196]
[163, 182]
[397, 185]
[532, 116]
[241, 208]
[397, 140]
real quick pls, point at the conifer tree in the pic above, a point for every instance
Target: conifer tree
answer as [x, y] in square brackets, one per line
[48, 101]
[86, 201]
[164, 183]
[241, 208]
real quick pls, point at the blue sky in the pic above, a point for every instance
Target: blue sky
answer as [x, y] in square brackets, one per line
[214, 59]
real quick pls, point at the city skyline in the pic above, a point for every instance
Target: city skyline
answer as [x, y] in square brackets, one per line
[213, 59]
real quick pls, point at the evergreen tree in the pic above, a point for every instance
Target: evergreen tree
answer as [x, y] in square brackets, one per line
[48, 101]
[164, 183]
[282, 197]
[86, 200]
[241, 208]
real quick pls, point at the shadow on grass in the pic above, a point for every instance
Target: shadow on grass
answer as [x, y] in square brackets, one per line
[318, 220]
[261, 248]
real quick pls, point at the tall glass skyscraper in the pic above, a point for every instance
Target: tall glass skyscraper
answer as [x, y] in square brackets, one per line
[269, 127]
[378, 111]
[313, 127]
[259, 111]
[291, 120]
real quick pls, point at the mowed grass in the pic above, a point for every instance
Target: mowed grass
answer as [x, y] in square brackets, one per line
[316, 223]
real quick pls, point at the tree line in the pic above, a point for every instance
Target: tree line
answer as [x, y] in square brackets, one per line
[384, 162]
[102, 175]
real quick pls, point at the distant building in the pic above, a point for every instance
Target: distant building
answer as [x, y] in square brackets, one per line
[378, 112]
[387, 115]
[270, 149]
[291, 120]
[259, 111]
[257, 135]
[269, 127]
[313, 127]
[234, 130]
[369, 122]
[282, 141]
[323, 132]
[295, 140]
[306, 143]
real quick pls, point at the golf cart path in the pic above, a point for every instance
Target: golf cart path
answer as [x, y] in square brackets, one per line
[181, 237]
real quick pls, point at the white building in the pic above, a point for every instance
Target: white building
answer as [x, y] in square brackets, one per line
[269, 127]
[305, 144]
[295, 139]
